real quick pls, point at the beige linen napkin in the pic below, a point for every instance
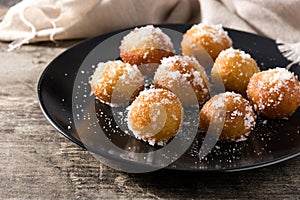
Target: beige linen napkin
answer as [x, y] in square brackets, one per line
[32, 21]
[277, 19]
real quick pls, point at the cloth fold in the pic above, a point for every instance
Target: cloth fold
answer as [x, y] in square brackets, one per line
[32, 21]
[278, 19]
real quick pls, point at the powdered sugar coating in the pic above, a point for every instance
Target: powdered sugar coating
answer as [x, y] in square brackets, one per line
[275, 93]
[147, 37]
[231, 53]
[205, 42]
[239, 119]
[155, 116]
[179, 73]
[216, 32]
[117, 81]
[235, 68]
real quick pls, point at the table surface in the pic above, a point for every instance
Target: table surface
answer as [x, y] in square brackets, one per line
[37, 162]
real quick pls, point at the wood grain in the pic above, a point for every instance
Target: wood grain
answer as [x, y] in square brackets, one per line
[36, 162]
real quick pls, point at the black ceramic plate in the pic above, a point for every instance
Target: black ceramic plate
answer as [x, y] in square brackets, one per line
[272, 141]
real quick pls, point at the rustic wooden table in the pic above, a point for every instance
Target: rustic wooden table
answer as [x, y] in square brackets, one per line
[36, 162]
